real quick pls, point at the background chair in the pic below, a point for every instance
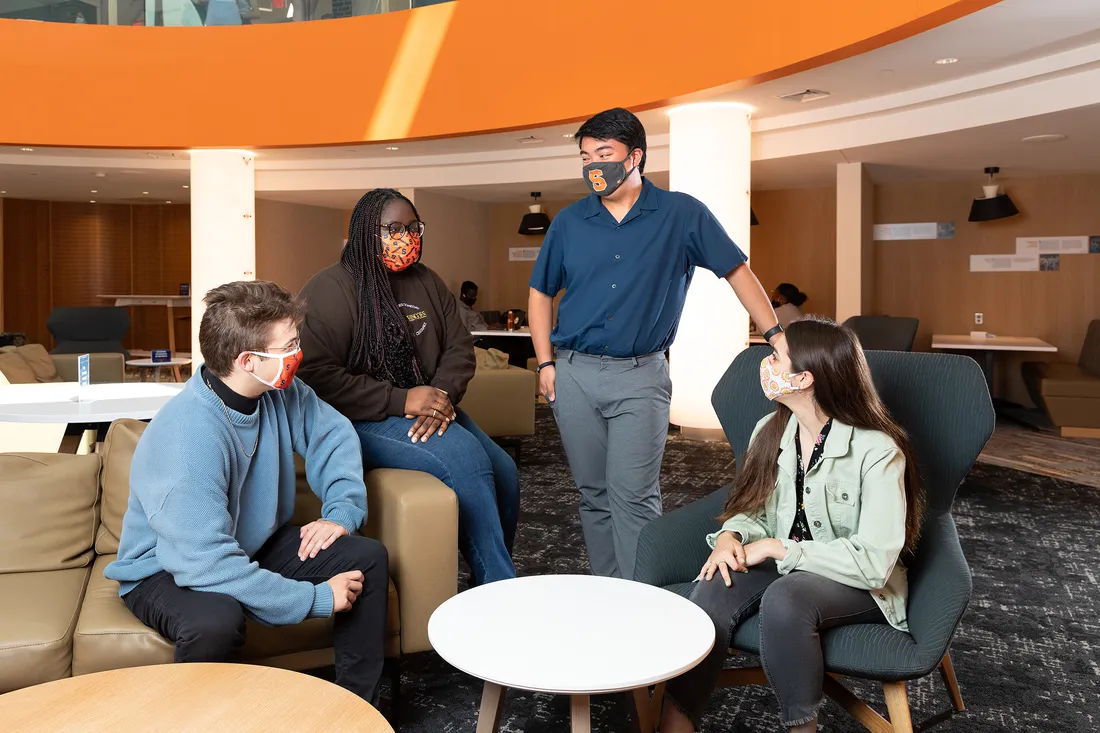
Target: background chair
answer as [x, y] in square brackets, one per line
[884, 333]
[84, 330]
[942, 402]
[1069, 393]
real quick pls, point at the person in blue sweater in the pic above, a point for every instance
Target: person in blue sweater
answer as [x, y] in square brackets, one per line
[207, 540]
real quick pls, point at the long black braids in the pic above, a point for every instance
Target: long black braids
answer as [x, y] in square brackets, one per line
[382, 345]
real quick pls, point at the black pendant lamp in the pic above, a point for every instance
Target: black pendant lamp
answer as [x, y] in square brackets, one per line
[753, 221]
[535, 221]
[994, 204]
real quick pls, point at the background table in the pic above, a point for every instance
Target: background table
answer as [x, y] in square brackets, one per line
[171, 302]
[989, 346]
[191, 697]
[157, 365]
[516, 344]
[573, 635]
[102, 403]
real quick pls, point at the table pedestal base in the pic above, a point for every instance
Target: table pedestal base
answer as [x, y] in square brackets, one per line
[647, 709]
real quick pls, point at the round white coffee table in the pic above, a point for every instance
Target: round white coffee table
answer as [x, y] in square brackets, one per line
[573, 635]
[146, 364]
[68, 402]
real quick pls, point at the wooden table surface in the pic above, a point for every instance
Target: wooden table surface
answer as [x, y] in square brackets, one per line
[189, 697]
[964, 342]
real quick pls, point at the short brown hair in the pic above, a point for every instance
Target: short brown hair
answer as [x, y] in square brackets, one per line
[239, 317]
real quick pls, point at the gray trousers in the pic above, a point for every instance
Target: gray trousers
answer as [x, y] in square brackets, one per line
[613, 418]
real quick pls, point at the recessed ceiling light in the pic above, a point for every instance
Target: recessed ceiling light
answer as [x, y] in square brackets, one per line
[569, 134]
[167, 202]
[3, 191]
[144, 193]
[91, 202]
[100, 175]
[94, 191]
[28, 150]
[1047, 138]
[947, 60]
[187, 187]
[392, 147]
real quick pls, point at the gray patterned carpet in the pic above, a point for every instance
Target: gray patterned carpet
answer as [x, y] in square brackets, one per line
[1026, 653]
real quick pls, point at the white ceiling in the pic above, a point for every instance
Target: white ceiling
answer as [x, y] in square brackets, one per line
[1010, 32]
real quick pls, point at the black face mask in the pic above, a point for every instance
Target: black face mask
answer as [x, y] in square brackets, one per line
[604, 178]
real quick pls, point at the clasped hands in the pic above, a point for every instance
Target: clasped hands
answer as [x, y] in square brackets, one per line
[730, 555]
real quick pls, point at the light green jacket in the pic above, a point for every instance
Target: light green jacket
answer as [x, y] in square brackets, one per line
[855, 505]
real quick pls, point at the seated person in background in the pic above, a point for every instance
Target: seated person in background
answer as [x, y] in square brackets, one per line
[815, 527]
[206, 540]
[387, 348]
[787, 300]
[466, 301]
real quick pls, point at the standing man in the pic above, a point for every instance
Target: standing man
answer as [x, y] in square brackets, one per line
[625, 256]
[466, 300]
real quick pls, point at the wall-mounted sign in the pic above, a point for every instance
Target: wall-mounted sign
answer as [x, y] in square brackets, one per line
[1052, 245]
[523, 254]
[921, 230]
[1004, 263]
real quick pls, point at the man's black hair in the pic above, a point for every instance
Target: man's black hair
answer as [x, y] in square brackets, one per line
[616, 124]
[468, 285]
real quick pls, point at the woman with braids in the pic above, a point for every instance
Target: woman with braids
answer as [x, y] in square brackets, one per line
[384, 344]
[825, 506]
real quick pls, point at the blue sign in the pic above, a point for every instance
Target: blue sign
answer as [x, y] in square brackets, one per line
[84, 370]
[159, 356]
[185, 288]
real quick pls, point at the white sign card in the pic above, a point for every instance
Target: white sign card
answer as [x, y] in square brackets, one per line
[922, 230]
[1052, 245]
[523, 254]
[1004, 263]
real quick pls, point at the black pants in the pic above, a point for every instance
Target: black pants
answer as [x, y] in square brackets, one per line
[209, 627]
[793, 609]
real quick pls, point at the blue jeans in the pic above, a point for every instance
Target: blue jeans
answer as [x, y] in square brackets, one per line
[482, 475]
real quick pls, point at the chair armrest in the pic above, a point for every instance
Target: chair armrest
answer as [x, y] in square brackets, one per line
[502, 401]
[415, 516]
[106, 368]
[672, 548]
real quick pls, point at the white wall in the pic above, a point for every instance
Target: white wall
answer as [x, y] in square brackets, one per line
[456, 239]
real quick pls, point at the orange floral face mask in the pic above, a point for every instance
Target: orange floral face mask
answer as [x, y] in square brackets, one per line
[773, 381]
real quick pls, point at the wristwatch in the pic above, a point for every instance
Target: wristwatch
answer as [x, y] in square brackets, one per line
[773, 331]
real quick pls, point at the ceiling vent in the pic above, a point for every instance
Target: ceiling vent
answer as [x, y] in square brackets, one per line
[807, 95]
[529, 140]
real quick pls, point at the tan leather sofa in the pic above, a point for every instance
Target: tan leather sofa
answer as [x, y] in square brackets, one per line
[32, 363]
[60, 520]
[502, 401]
[1070, 393]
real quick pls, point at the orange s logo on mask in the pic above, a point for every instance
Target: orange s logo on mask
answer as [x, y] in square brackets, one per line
[595, 177]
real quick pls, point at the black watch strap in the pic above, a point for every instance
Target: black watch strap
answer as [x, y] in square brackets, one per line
[545, 364]
[773, 331]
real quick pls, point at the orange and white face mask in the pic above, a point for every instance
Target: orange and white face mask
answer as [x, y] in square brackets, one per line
[774, 381]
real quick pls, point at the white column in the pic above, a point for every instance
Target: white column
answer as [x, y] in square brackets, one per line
[855, 247]
[709, 158]
[223, 226]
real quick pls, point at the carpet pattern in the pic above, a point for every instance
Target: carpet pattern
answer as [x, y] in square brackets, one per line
[1026, 653]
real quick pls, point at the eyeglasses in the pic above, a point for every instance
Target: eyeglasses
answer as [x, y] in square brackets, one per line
[397, 229]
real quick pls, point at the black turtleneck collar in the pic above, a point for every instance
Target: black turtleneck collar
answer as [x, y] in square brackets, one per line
[232, 400]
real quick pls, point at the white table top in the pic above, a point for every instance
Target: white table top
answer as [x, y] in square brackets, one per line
[176, 301]
[571, 634]
[151, 363]
[963, 342]
[100, 403]
[518, 332]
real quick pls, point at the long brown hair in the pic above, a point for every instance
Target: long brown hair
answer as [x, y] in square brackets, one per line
[843, 390]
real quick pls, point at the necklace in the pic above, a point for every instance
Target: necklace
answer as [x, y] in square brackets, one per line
[238, 435]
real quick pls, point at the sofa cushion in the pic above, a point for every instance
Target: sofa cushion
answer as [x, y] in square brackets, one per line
[39, 612]
[38, 359]
[49, 514]
[16, 369]
[1068, 380]
[108, 636]
[117, 452]
[490, 358]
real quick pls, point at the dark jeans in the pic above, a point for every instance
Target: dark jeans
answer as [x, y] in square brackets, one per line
[793, 609]
[482, 475]
[209, 627]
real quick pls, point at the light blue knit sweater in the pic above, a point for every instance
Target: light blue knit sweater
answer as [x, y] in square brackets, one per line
[201, 509]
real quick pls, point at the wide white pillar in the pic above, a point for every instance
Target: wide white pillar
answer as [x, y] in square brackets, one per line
[855, 246]
[709, 158]
[223, 226]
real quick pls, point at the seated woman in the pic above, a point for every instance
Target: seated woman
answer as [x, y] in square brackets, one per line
[384, 344]
[823, 508]
[787, 300]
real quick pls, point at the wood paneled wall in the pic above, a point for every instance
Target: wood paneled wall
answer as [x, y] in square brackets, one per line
[508, 281]
[931, 280]
[66, 254]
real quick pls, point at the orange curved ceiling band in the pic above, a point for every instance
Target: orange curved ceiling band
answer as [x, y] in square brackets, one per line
[457, 68]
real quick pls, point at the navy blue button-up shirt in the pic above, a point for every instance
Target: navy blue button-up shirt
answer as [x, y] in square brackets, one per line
[625, 282]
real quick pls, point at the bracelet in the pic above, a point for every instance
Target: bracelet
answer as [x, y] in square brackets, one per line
[544, 365]
[773, 331]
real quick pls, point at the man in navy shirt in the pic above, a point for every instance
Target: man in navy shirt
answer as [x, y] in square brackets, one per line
[625, 256]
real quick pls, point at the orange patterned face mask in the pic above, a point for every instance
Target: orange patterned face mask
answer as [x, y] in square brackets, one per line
[400, 253]
[773, 381]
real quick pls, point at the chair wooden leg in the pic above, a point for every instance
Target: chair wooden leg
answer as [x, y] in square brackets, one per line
[657, 705]
[947, 671]
[488, 718]
[897, 704]
[855, 707]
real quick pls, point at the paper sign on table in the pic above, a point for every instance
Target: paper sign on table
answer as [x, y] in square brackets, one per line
[1004, 263]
